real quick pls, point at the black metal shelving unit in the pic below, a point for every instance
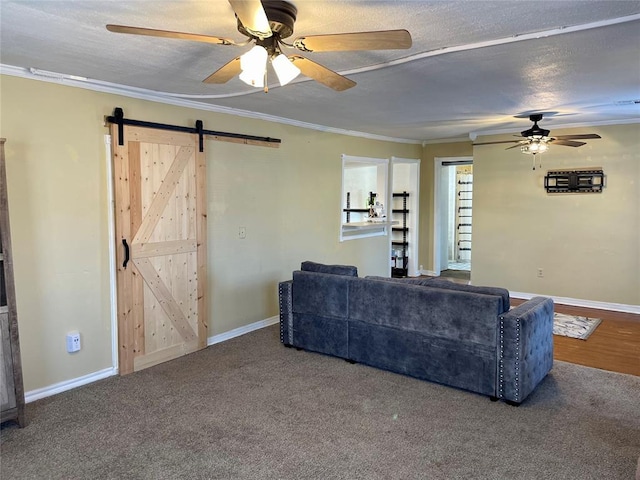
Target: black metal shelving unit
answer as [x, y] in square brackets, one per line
[402, 270]
[463, 227]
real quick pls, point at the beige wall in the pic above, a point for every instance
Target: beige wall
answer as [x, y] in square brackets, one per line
[588, 245]
[288, 199]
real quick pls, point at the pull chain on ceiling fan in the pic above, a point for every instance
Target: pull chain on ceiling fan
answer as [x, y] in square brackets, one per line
[266, 23]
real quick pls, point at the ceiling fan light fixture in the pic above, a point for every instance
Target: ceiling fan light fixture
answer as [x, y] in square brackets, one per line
[285, 70]
[535, 146]
[253, 65]
[253, 79]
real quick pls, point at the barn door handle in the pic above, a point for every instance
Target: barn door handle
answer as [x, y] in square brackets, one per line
[126, 253]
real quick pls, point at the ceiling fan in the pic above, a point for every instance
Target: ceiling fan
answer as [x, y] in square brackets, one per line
[266, 23]
[537, 140]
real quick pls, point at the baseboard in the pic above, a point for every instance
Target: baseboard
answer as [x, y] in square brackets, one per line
[429, 273]
[236, 332]
[39, 393]
[576, 302]
[56, 388]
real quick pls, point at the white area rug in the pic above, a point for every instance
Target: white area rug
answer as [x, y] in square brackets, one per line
[574, 326]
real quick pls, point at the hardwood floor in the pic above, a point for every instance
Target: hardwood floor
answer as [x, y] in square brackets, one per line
[614, 345]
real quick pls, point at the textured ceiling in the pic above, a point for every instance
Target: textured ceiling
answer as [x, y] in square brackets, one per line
[473, 66]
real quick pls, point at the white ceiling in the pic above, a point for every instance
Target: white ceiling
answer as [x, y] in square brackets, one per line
[473, 66]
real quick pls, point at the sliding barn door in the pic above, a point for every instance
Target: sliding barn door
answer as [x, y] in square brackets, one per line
[159, 180]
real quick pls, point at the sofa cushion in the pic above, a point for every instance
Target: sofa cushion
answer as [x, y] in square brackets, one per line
[347, 270]
[449, 285]
[497, 291]
[455, 315]
[404, 280]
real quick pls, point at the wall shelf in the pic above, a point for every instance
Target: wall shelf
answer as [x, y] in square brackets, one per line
[367, 225]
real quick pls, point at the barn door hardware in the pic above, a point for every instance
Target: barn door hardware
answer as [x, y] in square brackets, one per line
[126, 253]
[118, 119]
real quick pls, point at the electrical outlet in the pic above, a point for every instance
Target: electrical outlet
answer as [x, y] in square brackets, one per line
[73, 342]
[540, 273]
[242, 233]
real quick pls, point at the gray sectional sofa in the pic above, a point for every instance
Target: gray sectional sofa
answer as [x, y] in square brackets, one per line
[458, 335]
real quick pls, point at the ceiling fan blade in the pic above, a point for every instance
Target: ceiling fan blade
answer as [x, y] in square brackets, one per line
[322, 74]
[583, 136]
[252, 16]
[519, 144]
[169, 34]
[381, 40]
[495, 143]
[566, 143]
[225, 73]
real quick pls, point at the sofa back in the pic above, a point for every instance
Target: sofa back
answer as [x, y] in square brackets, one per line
[448, 314]
[329, 299]
[437, 282]
[320, 305]
[321, 294]
[349, 270]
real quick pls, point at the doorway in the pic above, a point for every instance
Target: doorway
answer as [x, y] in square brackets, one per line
[453, 198]
[403, 209]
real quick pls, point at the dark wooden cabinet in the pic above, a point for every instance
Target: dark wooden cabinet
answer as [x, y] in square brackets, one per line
[11, 387]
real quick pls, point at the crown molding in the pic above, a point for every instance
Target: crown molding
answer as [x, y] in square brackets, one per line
[445, 140]
[160, 97]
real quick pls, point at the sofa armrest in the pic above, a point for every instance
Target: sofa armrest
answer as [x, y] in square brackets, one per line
[525, 348]
[285, 300]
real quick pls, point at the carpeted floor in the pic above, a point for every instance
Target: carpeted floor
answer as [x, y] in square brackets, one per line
[251, 409]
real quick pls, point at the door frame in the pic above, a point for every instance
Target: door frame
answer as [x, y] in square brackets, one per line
[438, 164]
[111, 228]
[413, 269]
